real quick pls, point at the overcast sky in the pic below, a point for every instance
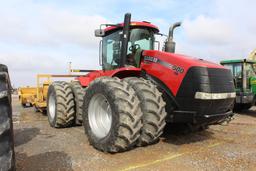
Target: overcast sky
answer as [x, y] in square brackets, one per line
[43, 36]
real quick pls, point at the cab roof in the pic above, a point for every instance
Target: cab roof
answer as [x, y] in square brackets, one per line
[133, 24]
[237, 61]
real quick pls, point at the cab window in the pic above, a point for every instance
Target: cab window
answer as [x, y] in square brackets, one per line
[111, 50]
[236, 69]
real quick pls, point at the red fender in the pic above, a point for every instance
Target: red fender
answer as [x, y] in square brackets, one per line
[120, 73]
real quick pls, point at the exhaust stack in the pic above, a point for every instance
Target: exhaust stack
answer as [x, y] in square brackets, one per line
[169, 45]
[125, 38]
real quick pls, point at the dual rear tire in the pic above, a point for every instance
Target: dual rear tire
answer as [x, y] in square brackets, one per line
[64, 104]
[60, 105]
[78, 92]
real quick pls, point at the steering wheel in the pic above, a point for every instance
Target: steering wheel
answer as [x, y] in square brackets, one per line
[134, 47]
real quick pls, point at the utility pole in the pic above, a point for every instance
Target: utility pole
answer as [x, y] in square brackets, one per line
[69, 68]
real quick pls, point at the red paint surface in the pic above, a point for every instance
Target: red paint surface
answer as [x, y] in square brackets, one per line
[133, 24]
[169, 77]
[85, 80]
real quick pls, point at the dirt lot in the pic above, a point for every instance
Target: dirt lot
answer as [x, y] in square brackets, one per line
[40, 147]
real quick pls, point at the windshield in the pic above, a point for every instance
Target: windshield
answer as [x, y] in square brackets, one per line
[144, 38]
[140, 39]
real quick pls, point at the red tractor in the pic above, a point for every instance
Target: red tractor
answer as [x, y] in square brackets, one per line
[139, 89]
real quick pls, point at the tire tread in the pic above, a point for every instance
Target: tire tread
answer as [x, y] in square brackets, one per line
[127, 106]
[153, 109]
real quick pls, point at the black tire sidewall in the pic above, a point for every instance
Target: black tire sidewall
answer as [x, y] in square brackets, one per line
[52, 90]
[76, 98]
[7, 153]
[108, 141]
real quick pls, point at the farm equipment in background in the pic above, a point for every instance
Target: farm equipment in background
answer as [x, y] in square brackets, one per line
[139, 89]
[244, 75]
[27, 96]
[252, 55]
[37, 96]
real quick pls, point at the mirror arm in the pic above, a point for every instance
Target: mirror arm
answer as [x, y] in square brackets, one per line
[100, 53]
[161, 34]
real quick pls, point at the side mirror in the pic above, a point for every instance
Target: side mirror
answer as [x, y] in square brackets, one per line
[99, 33]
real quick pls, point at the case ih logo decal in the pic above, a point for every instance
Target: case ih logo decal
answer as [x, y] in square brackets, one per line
[175, 68]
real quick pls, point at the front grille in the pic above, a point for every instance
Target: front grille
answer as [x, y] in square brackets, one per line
[209, 80]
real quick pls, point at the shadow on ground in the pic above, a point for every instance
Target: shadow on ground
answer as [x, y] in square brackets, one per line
[46, 161]
[179, 134]
[22, 136]
[250, 112]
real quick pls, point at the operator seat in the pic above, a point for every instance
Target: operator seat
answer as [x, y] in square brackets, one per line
[134, 58]
[137, 57]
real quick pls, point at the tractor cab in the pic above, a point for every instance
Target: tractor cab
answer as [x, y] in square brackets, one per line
[122, 44]
[244, 75]
[140, 37]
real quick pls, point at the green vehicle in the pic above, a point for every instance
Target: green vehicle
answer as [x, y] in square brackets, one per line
[244, 75]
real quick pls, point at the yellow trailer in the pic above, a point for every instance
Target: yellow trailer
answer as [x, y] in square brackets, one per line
[37, 96]
[27, 95]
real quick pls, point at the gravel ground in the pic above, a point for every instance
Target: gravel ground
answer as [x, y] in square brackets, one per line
[221, 147]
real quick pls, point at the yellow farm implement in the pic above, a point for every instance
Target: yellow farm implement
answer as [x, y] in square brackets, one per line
[36, 96]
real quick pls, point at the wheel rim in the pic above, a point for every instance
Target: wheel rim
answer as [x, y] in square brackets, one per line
[52, 106]
[100, 116]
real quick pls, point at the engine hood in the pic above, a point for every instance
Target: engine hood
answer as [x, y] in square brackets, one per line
[172, 68]
[180, 60]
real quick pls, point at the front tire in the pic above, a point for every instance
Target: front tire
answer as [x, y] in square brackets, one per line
[60, 105]
[153, 109]
[111, 115]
